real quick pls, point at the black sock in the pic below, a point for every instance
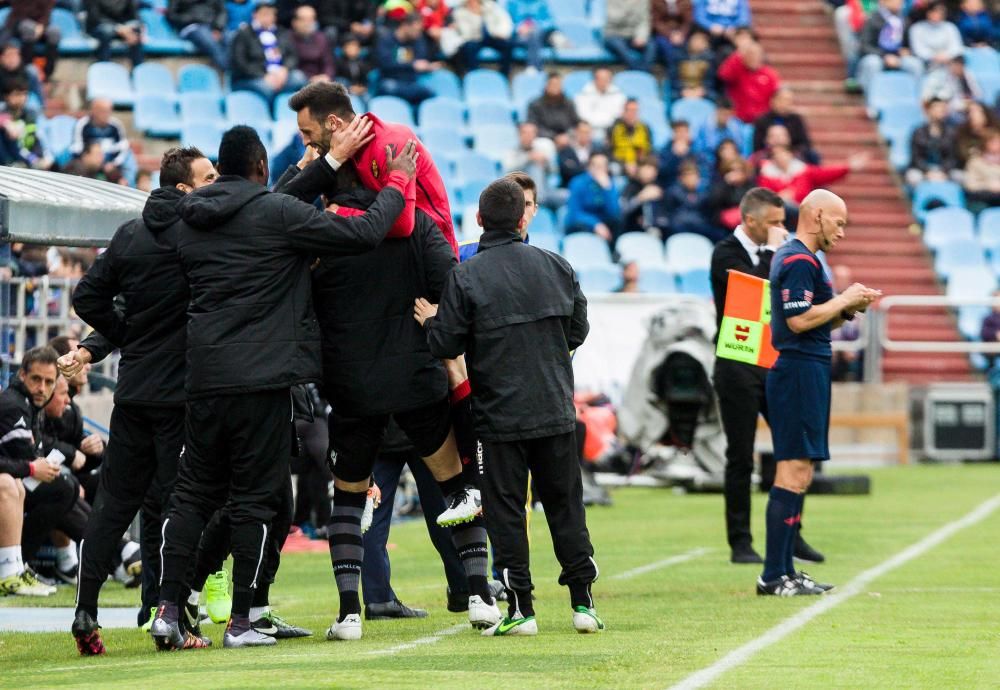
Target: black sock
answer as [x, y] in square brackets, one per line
[470, 542]
[262, 595]
[793, 536]
[238, 624]
[519, 603]
[579, 595]
[242, 596]
[465, 437]
[89, 608]
[347, 548]
[167, 610]
[86, 598]
[782, 521]
[171, 591]
[453, 485]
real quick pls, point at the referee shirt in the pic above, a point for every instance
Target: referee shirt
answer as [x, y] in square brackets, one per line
[797, 283]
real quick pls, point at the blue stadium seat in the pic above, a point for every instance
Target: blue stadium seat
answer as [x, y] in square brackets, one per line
[470, 189]
[584, 249]
[442, 143]
[485, 85]
[638, 85]
[900, 116]
[948, 224]
[585, 45]
[490, 114]
[989, 84]
[280, 110]
[695, 282]
[899, 145]
[156, 115]
[697, 112]
[282, 133]
[153, 78]
[392, 109]
[110, 80]
[60, 136]
[246, 107]
[640, 247]
[470, 228]
[161, 39]
[471, 165]
[202, 107]
[948, 193]
[359, 104]
[442, 112]
[597, 12]
[198, 77]
[495, 141]
[657, 280]
[72, 40]
[687, 251]
[973, 282]
[567, 9]
[443, 82]
[989, 223]
[892, 87]
[573, 82]
[970, 320]
[544, 223]
[958, 255]
[982, 60]
[204, 134]
[527, 86]
[544, 240]
[598, 279]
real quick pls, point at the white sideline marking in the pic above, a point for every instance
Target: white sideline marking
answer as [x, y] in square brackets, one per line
[430, 639]
[741, 655]
[665, 563]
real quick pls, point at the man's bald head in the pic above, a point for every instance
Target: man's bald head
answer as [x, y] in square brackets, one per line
[822, 220]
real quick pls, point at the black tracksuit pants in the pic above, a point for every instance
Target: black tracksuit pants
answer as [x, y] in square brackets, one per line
[138, 473]
[740, 389]
[555, 469]
[51, 505]
[237, 450]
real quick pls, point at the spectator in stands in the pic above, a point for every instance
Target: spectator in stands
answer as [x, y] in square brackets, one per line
[630, 278]
[144, 181]
[351, 70]
[726, 152]
[723, 206]
[593, 201]
[537, 157]
[792, 178]
[401, 56]
[238, 13]
[436, 15]
[679, 151]
[30, 22]
[777, 135]
[782, 113]
[90, 163]
[534, 28]
[692, 67]
[722, 19]
[13, 68]
[847, 364]
[671, 21]
[630, 138]
[725, 125]
[982, 172]
[627, 33]
[342, 17]
[689, 206]
[110, 20]
[101, 126]
[483, 24]
[935, 40]
[977, 25]
[883, 46]
[971, 132]
[750, 84]
[20, 140]
[848, 19]
[990, 331]
[573, 157]
[642, 205]
[600, 102]
[552, 112]
[313, 51]
[262, 57]
[202, 22]
[933, 152]
[956, 85]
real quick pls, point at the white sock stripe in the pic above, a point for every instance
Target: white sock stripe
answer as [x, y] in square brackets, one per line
[163, 542]
[79, 573]
[260, 557]
[597, 571]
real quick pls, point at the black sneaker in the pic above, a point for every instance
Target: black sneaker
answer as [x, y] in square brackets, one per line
[87, 634]
[807, 581]
[806, 553]
[67, 576]
[458, 602]
[745, 555]
[392, 609]
[277, 627]
[784, 587]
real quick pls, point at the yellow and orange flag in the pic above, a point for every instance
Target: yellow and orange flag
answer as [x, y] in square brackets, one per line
[745, 334]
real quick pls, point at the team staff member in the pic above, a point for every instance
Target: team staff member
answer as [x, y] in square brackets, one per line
[739, 386]
[518, 311]
[251, 335]
[803, 311]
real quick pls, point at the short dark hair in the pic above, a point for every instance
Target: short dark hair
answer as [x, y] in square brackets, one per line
[16, 84]
[674, 124]
[754, 201]
[501, 205]
[175, 168]
[322, 98]
[38, 355]
[61, 344]
[524, 181]
[240, 151]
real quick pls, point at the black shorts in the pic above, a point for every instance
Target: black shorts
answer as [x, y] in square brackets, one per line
[355, 441]
[798, 402]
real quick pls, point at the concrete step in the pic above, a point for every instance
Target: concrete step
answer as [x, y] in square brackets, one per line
[875, 261]
[945, 334]
[804, 58]
[785, 11]
[793, 33]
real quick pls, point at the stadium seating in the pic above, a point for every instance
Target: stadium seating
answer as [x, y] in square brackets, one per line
[947, 224]
[899, 145]
[654, 279]
[900, 116]
[597, 279]
[470, 189]
[973, 282]
[443, 144]
[583, 249]
[204, 134]
[640, 247]
[153, 78]
[443, 83]
[696, 282]
[946, 193]
[989, 223]
[470, 165]
[201, 106]
[982, 60]
[891, 87]
[697, 112]
[958, 255]
[970, 320]
[573, 82]
[688, 251]
[584, 43]
[561, 10]
[72, 40]
[247, 108]
[60, 136]
[393, 109]
[490, 114]
[161, 39]
[494, 140]
[282, 133]
[638, 85]
[544, 223]
[442, 112]
[156, 115]
[527, 86]
[198, 77]
[280, 110]
[110, 80]
[544, 240]
[485, 85]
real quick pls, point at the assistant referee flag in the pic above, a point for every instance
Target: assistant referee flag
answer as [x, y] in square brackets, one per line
[745, 333]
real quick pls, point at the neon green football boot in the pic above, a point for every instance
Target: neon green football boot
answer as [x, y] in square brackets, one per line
[218, 603]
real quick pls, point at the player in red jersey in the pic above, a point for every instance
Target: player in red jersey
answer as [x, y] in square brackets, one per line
[326, 117]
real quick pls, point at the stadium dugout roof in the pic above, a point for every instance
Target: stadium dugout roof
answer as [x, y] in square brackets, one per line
[52, 208]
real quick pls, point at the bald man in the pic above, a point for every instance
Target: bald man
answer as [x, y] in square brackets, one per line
[803, 312]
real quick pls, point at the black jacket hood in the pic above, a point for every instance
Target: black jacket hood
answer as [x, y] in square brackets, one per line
[211, 206]
[160, 211]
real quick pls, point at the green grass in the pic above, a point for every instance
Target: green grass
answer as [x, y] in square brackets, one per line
[931, 623]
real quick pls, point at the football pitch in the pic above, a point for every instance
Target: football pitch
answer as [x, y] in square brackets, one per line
[917, 606]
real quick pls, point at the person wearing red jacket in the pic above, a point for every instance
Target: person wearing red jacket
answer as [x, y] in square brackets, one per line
[325, 115]
[750, 83]
[792, 179]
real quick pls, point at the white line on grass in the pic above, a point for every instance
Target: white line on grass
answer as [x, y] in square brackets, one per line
[665, 563]
[741, 655]
[430, 639]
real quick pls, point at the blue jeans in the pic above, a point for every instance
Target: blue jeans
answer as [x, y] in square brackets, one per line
[105, 34]
[375, 569]
[201, 36]
[533, 44]
[633, 58]
[468, 54]
[296, 80]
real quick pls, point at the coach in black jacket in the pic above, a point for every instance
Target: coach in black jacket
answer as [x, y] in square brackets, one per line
[251, 335]
[516, 312]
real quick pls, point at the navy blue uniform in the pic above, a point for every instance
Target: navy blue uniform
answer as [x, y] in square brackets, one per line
[798, 386]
